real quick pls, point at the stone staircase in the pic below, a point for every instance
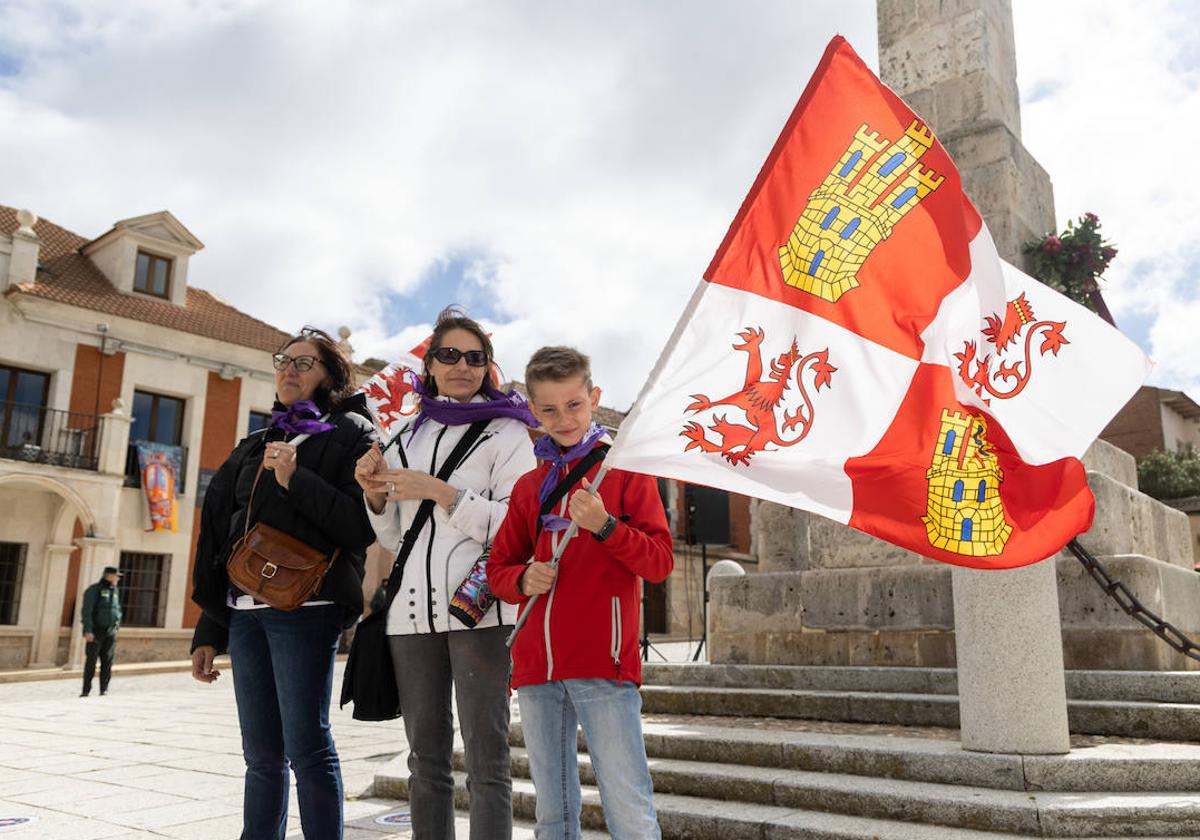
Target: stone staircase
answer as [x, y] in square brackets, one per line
[1129, 704]
[778, 753]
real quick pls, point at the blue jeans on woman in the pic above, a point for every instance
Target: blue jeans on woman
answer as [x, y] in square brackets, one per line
[283, 680]
[611, 715]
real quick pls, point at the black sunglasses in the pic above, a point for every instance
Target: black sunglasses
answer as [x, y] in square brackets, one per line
[451, 355]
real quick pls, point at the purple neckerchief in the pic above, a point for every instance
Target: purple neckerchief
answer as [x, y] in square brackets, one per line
[300, 418]
[545, 449]
[453, 413]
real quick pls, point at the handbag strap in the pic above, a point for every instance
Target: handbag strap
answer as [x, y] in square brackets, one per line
[425, 510]
[569, 480]
[250, 502]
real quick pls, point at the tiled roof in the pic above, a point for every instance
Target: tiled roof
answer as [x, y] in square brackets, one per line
[68, 277]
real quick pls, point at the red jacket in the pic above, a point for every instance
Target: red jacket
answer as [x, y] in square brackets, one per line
[586, 627]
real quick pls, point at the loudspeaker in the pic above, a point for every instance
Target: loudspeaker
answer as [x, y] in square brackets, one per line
[708, 515]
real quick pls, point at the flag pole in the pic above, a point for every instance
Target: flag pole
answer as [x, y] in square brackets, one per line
[572, 530]
[630, 420]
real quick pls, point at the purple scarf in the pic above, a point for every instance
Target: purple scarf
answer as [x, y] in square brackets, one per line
[300, 418]
[453, 413]
[545, 449]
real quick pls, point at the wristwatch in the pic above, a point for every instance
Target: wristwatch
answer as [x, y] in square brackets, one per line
[606, 529]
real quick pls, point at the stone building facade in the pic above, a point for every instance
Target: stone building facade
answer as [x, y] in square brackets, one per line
[104, 342]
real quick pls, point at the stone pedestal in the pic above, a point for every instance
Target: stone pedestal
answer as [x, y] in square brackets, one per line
[1012, 693]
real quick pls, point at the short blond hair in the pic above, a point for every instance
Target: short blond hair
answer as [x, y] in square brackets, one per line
[557, 364]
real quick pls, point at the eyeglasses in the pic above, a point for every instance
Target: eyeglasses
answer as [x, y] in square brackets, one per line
[302, 363]
[451, 355]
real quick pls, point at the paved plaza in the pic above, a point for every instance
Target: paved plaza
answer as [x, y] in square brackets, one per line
[159, 756]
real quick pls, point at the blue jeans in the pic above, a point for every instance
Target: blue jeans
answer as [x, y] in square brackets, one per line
[283, 679]
[611, 716]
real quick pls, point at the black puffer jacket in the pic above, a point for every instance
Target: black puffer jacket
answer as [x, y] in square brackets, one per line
[322, 506]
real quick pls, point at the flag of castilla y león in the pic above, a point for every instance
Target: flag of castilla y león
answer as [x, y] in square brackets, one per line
[391, 397]
[858, 349]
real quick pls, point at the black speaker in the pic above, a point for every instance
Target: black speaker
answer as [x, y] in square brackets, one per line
[708, 515]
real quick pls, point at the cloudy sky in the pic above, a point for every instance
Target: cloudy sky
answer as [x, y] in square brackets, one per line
[565, 170]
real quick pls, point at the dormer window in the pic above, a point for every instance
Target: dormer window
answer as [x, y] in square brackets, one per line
[152, 275]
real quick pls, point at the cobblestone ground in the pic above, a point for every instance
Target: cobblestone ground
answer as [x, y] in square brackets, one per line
[159, 756]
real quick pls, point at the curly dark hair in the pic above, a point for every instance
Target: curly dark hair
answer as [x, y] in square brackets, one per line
[453, 317]
[340, 382]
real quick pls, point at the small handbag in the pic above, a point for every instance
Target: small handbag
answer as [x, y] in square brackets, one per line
[369, 681]
[273, 567]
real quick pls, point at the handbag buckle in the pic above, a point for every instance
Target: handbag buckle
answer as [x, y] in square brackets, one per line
[272, 567]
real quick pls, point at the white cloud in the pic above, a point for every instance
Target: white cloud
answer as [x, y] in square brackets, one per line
[585, 160]
[1112, 107]
[589, 157]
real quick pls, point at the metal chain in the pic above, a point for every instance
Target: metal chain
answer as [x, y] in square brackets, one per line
[1128, 602]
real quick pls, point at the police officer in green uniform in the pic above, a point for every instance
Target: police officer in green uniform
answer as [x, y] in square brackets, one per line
[101, 620]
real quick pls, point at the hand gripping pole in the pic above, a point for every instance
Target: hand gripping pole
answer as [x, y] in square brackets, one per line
[572, 530]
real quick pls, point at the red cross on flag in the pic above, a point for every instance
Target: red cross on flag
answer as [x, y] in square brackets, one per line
[858, 349]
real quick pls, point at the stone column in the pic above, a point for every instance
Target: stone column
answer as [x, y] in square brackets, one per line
[44, 650]
[97, 553]
[955, 65]
[779, 537]
[1012, 691]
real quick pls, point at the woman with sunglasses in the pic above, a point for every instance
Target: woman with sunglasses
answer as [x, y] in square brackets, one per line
[283, 661]
[434, 652]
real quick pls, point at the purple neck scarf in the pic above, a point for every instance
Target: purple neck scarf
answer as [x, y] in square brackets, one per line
[300, 418]
[453, 413]
[545, 449]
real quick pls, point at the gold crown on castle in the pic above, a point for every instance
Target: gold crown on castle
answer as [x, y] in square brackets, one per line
[869, 190]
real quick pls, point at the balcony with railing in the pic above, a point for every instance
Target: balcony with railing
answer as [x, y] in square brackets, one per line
[41, 435]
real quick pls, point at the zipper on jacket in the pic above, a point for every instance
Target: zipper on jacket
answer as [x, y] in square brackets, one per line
[616, 634]
[432, 536]
[555, 539]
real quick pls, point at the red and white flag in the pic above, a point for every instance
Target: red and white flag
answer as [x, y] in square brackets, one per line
[858, 349]
[391, 397]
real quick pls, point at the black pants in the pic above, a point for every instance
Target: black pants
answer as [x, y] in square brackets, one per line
[103, 646]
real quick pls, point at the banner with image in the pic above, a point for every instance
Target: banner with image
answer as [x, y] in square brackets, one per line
[160, 466]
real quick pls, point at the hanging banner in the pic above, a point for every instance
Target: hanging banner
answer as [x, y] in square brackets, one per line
[160, 465]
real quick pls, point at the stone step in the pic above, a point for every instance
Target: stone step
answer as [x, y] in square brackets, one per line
[694, 818]
[1150, 686]
[1114, 767]
[1168, 721]
[950, 805]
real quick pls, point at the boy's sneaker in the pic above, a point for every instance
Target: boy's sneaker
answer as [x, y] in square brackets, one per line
[83, 694]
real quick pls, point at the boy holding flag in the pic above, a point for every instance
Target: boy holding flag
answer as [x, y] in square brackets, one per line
[577, 660]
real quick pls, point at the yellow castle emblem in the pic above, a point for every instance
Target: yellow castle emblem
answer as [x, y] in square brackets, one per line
[870, 189]
[964, 513]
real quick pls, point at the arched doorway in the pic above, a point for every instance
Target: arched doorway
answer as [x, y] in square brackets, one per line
[38, 536]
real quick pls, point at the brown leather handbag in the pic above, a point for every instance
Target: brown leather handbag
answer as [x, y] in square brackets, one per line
[273, 567]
